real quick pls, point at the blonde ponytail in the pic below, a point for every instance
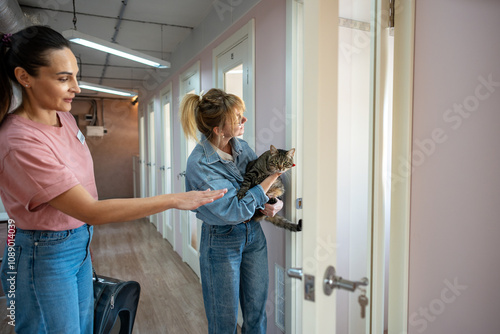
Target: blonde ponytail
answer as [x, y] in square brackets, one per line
[187, 111]
[203, 113]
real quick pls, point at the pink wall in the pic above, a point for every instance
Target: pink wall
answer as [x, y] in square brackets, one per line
[270, 37]
[455, 196]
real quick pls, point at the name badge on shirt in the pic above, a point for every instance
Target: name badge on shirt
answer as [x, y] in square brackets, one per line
[80, 137]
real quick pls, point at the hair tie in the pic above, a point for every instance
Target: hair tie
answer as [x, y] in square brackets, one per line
[201, 95]
[6, 39]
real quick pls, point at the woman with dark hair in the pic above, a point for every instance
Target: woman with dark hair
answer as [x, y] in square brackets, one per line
[48, 188]
[233, 248]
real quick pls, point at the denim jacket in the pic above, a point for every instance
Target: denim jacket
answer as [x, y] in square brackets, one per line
[206, 170]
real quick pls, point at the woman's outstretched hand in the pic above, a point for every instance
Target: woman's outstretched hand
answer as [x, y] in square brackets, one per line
[194, 199]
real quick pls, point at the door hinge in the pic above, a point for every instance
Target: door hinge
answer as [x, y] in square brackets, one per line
[391, 13]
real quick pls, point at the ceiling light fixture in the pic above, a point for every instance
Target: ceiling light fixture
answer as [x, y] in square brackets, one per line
[105, 89]
[113, 48]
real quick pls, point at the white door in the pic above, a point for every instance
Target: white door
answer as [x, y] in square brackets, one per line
[142, 155]
[191, 226]
[151, 164]
[340, 97]
[165, 185]
[233, 72]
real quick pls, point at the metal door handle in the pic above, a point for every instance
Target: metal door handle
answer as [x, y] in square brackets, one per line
[332, 281]
[295, 273]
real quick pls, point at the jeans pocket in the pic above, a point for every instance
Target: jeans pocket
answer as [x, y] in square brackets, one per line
[9, 267]
[221, 230]
[53, 238]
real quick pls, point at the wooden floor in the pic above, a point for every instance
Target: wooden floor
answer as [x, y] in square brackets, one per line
[170, 301]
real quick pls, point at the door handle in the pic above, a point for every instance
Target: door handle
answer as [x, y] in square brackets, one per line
[295, 273]
[308, 282]
[332, 281]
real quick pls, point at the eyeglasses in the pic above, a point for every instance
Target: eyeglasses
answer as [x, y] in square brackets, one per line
[240, 121]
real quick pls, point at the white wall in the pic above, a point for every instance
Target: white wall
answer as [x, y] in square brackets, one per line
[455, 196]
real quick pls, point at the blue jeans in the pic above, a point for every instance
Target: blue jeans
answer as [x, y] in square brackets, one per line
[233, 264]
[47, 277]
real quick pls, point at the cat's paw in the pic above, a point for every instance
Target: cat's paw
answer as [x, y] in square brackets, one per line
[299, 225]
[240, 195]
[272, 200]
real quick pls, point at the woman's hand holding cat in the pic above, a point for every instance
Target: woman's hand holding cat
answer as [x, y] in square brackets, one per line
[268, 181]
[271, 210]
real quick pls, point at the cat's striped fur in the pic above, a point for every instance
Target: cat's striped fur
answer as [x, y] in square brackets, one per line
[270, 162]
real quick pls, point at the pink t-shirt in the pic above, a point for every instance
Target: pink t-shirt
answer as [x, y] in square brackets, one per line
[38, 162]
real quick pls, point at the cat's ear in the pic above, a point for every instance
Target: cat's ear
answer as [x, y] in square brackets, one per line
[273, 150]
[290, 153]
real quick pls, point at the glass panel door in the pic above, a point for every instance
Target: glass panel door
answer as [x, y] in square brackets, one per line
[233, 82]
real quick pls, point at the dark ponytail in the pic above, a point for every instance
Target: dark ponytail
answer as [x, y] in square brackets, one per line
[27, 49]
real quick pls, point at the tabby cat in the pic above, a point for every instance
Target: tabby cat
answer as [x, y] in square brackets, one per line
[270, 162]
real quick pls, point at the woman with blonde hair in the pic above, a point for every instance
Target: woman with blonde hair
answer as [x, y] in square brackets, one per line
[233, 249]
[48, 188]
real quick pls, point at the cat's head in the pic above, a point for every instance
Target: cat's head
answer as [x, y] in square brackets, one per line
[280, 160]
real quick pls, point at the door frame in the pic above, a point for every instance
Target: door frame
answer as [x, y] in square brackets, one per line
[294, 133]
[404, 42]
[187, 255]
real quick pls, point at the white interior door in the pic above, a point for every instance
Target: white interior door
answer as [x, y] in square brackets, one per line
[233, 67]
[165, 185]
[151, 164]
[191, 226]
[339, 131]
[142, 155]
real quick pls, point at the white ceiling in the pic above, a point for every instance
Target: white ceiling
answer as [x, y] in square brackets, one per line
[154, 27]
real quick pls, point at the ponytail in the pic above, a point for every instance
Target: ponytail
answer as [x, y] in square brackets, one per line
[204, 113]
[27, 49]
[5, 85]
[187, 109]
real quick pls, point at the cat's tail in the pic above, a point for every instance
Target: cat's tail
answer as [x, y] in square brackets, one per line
[282, 222]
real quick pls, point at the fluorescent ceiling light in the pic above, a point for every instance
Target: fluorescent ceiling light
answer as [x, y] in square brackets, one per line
[113, 48]
[105, 89]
